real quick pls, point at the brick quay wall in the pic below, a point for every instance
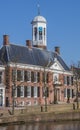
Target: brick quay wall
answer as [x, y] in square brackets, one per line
[35, 114]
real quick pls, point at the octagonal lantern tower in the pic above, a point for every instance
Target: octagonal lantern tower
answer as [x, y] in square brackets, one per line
[39, 33]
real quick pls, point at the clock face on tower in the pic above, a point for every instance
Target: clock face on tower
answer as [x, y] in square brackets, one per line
[40, 33]
[40, 29]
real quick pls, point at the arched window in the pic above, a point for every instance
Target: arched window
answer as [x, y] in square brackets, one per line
[35, 33]
[40, 33]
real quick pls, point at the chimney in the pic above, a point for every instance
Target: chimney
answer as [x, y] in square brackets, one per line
[57, 50]
[28, 43]
[5, 40]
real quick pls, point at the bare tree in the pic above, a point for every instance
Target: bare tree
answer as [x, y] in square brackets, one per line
[76, 73]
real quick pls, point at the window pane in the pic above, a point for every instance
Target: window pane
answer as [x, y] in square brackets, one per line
[25, 91]
[19, 75]
[40, 33]
[32, 91]
[25, 76]
[35, 76]
[22, 91]
[68, 92]
[15, 92]
[0, 77]
[65, 92]
[65, 79]
[18, 91]
[71, 80]
[38, 76]
[13, 75]
[32, 76]
[28, 76]
[28, 91]
[35, 91]
[38, 92]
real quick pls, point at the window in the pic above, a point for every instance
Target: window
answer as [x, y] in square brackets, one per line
[19, 75]
[0, 77]
[15, 92]
[45, 77]
[18, 91]
[28, 76]
[65, 93]
[32, 76]
[40, 33]
[25, 91]
[35, 33]
[35, 91]
[25, 76]
[56, 78]
[35, 76]
[68, 80]
[45, 91]
[13, 75]
[68, 92]
[65, 79]
[21, 91]
[38, 92]
[71, 80]
[32, 91]
[38, 76]
[29, 91]
[1, 97]
[1, 92]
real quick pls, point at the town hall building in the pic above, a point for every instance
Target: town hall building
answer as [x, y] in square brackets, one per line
[32, 74]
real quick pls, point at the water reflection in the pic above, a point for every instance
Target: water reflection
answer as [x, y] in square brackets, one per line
[44, 126]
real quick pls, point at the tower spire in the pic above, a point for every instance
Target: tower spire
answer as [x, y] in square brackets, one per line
[38, 6]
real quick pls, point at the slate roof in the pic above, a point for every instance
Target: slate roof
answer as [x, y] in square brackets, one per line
[32, 56]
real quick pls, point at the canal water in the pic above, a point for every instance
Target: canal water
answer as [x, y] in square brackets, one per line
[44, 126]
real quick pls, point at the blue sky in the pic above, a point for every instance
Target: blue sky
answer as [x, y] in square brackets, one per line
[63, 24]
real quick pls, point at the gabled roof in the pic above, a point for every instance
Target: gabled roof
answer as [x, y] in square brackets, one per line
[32, 56]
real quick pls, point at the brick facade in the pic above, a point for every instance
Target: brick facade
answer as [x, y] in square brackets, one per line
[40, 97]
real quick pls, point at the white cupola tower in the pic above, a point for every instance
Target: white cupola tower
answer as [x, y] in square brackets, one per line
[39, 32]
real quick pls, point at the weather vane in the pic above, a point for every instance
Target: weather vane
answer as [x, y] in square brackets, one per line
[38, 8]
